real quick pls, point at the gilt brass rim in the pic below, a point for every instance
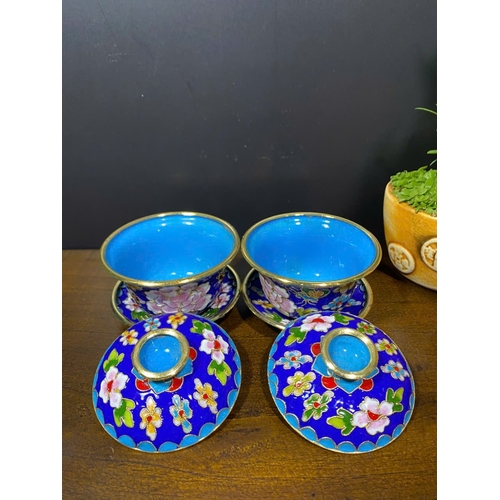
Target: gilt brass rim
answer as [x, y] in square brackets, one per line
[345, 374]
[289, 281]
[182, 281]
[167, 374]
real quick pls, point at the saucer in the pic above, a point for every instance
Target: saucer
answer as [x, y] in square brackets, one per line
[359, 304]
[131, 312]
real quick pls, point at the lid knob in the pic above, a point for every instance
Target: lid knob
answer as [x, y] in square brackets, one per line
[349, 354]
[160, 354]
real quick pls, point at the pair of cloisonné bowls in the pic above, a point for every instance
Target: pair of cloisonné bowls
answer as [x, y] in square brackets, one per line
[174, 375]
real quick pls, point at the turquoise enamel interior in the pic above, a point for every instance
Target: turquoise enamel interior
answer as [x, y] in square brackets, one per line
[169, 248]
[349, 353]
[311, 248]
[160, 353]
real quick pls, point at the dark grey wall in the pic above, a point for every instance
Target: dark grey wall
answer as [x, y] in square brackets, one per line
[242, 109]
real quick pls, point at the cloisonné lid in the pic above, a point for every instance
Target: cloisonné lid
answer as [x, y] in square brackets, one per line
[341, 382]
[167, 382]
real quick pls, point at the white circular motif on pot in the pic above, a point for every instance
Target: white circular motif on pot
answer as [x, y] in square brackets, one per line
[429, 253]
[401, 258]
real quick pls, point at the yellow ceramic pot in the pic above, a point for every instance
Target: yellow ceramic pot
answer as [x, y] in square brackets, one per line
[411, 240]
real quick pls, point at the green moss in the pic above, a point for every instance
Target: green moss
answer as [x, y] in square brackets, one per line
[418, 188]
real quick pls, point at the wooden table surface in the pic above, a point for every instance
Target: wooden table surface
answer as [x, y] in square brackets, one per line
[254, 453]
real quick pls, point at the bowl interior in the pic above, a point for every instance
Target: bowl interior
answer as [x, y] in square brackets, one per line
[169, 247]
[311, 248]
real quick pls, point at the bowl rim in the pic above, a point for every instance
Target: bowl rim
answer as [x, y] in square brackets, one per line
[179, 281]
[314, 284]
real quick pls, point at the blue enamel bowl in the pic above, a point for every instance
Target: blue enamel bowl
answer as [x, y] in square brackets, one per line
[171, 262]
[309, 259]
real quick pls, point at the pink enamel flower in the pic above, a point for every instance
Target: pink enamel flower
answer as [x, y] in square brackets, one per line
[186, 298]
[215, 346]
[220, 301]
[132, 303]
[373, 415]
[317, 322]
[277, 296]
[112, 386]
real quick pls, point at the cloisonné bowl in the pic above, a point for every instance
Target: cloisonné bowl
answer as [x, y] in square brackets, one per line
[341, 382]
[309, 262]
[172, 262]
[167, 383]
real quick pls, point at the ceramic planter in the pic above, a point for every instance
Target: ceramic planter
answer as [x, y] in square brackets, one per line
[411, 240]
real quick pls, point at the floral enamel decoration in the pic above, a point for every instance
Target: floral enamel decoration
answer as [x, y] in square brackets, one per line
[151, 418]
[157, 414]
[112, 386]
[205, 395]
[307, 301]
[128, 337]
[176, 319]
[395, 368]
[131, 308]
[317, 322]
[386, 346]
[186, 298]
[316, 405]
[151, 324]
[359, 408]
[293, 359]
[277, 296]
[111, 390]
[181, 412]
[216, 347]
[365, 328]
[298, 383]
[313, 322]
[373, 415]
[132, 303]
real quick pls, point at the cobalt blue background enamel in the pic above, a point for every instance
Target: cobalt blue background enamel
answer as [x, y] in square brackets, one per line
[170, 437]
[169, 248]
[347, 395]
[284, 247]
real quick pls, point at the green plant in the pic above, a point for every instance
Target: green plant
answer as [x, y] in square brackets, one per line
[418, 188]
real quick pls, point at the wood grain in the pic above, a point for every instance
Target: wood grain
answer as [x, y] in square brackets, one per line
[254, 454]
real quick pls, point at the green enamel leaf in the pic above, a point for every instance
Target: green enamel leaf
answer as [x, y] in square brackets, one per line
[139, 315]
[221, 371]
[288, 390]
[199, 326]
[276, 317]
[129, 403]
[394, 397]
[295, 336]
[397, 407]
[344, 320]
[128, 419]
[212, 312]
[118, 420]
[301, 311]
[120, 411]
[337, 422]
[307, 414]
[348, 429]
[113, 360]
